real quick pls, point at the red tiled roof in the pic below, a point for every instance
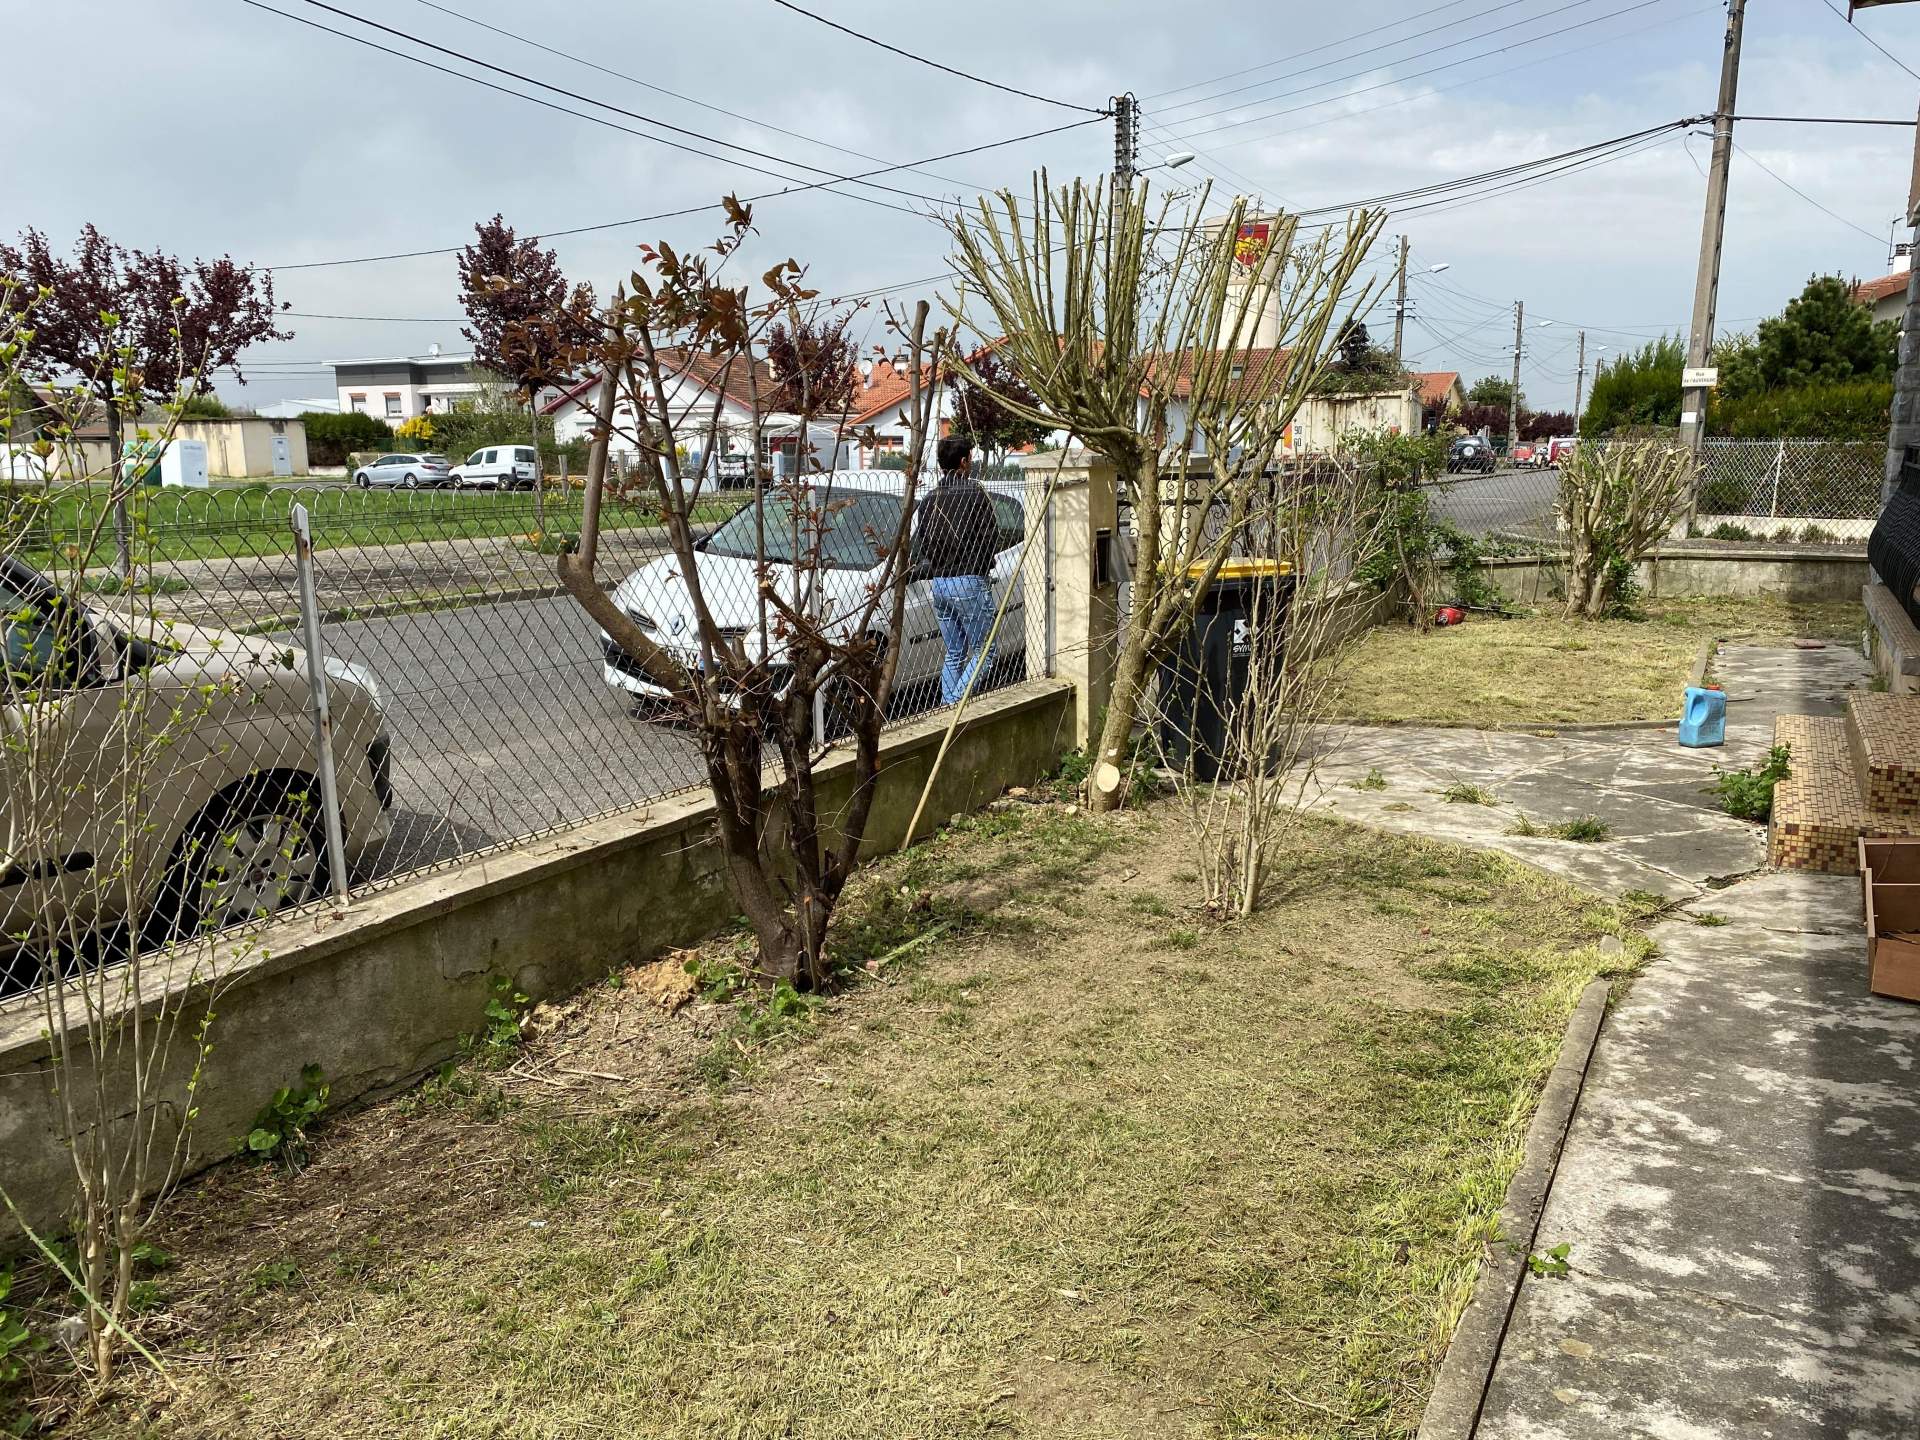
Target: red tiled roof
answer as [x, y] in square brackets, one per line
[1870, 292]
[709, 372]
[1258, 365]
[1435, 386]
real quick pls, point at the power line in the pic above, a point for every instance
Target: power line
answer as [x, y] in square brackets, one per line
[686, 99]
[1858, 229]
[1396, 80]
[673, 214]
[396, 319]
[1318, 49]
[582, 98]
[1342, 59]
[1434, 90]
[1826, 120]
[935, 64]
[1370, 69]
[1873, 42]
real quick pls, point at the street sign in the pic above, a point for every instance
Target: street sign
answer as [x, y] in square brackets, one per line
[1699, 377]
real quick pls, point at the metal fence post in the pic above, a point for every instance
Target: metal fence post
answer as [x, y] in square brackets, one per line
[322, 718]
[1779, 464]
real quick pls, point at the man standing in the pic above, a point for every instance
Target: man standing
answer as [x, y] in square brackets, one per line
[957, 538]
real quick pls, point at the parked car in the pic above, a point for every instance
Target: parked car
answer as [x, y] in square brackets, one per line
[1560, 447]
[1526, 457]
[859, 508]
[498, 467]
[406, 471]
[1470, 452]
[213, 733]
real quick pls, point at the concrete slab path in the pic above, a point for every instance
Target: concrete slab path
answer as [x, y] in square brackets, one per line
[1740, 1186]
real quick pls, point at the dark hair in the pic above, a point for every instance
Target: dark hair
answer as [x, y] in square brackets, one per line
[954, 452]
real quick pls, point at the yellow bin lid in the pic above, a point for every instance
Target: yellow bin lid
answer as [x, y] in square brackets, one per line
[1243, 570]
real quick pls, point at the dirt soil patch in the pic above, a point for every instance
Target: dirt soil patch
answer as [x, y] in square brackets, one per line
[1066, 1159]
[1545, 670]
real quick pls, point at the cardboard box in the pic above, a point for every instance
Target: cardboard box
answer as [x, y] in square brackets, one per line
[1893, 938]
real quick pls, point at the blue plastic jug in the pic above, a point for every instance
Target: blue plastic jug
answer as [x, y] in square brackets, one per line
[1703, 719]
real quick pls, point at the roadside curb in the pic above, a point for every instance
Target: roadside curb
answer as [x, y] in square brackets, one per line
[1466, 1371]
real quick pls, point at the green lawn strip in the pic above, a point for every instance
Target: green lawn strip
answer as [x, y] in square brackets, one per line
[1056, 1178]
[74, 526]
[1550, 670]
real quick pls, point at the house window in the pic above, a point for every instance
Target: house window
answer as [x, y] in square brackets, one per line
[393, 406]
[357, 403]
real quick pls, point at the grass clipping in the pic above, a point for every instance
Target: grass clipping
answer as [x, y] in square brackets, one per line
[1087, 1165]
[1552, 670]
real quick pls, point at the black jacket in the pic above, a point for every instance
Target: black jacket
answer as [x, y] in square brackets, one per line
[957, 533]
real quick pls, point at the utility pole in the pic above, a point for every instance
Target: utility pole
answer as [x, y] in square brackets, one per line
[1513, 400]
[1126, 146]
[1706, 284]
[1400, 304]
[1580, 380]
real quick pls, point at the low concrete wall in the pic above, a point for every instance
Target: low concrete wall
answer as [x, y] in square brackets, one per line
[380, 994]
[1789, 572]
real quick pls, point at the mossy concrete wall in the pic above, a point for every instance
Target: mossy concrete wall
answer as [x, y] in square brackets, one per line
[381, 993]
[1788, 572]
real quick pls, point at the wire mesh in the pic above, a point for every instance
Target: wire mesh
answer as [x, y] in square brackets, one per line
[475, 704]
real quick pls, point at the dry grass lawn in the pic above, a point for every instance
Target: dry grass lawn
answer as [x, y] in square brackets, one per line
[1076, 1162]
[1547, 670]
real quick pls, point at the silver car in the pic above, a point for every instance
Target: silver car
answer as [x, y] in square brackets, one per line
[404, 470]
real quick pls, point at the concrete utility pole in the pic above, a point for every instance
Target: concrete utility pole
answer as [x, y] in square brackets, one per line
[1706, 284]
[1126, 145]
[1400, 304]
[1580, 380]
[1513, 400]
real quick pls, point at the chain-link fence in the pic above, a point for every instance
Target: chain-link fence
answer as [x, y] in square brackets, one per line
[1814, 492]
[464, 702]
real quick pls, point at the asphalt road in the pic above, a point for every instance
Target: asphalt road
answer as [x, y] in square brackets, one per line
[1506, 500]
[502, 725]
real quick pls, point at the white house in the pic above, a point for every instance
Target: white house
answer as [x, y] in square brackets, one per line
[699, 380]
[398, 387]
[1886, 297]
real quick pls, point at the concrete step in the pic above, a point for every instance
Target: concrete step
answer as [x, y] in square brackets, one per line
[1883, 735]
[1820, 810]
[1893, 643]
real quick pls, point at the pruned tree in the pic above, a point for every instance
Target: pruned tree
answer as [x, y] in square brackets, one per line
[523, 321]
[1315, 526]
[1616, 502]
[996, 425]
[771, 665]
[129, 327]
[1155, 367]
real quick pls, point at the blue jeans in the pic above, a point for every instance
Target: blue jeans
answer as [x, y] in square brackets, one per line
[963, 604]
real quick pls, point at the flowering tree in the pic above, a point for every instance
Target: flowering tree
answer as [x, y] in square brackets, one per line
[130, 326]
[523, 321]
[982, 401]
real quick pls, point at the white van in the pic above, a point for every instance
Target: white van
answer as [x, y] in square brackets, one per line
[498, 467]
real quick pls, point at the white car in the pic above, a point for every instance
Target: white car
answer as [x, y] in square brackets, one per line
[862, 509]
[498, 467]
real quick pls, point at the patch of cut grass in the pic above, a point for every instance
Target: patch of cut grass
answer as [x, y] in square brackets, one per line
[1031, 1183]
[1464, 792]
[1551, 670]
[1583, 829]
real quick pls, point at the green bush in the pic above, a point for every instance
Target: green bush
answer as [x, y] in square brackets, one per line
[332, 438]
[1639, 388]
[1846, 410]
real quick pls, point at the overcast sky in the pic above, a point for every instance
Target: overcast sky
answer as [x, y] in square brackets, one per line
[227, 129]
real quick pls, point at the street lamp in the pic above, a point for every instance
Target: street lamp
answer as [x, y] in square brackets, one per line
[1436, 269]
[1173, 161]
